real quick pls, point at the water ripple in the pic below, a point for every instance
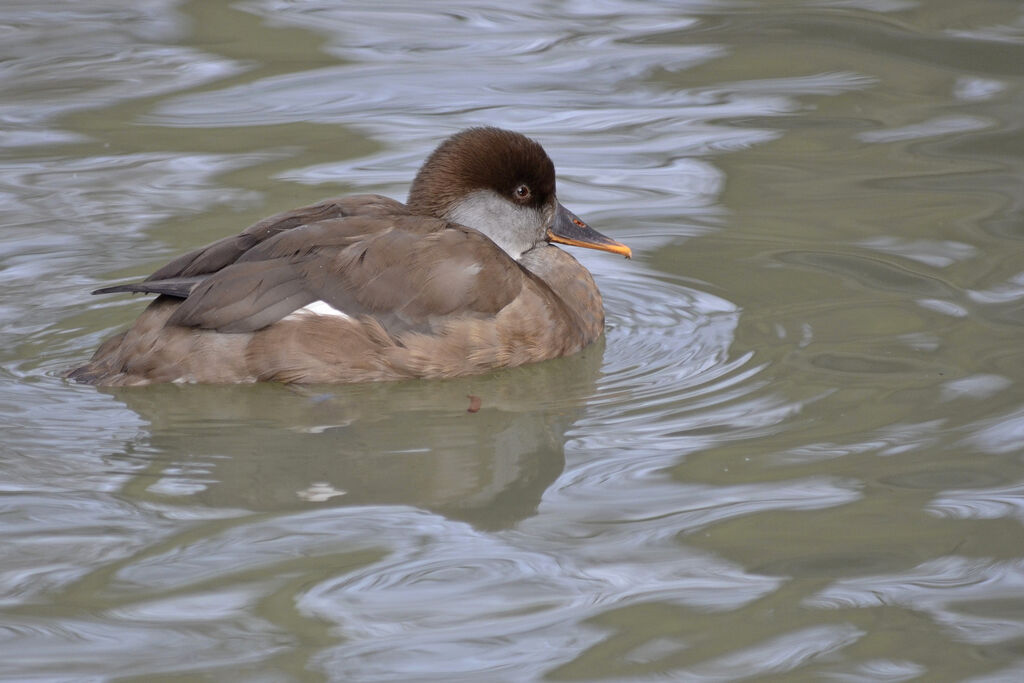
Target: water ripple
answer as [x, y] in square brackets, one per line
[621, 506]
[949, 589]
[988, 503]
[775, 656]
[71, 56]
[428, 607]
[518, 63]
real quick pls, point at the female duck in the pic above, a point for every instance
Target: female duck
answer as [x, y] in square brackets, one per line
[461, 279]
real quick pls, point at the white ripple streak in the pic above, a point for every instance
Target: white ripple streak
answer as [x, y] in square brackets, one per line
[991, 503]
[427, 607]
[936, 588]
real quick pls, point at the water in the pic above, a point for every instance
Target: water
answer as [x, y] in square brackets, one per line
[796, 455]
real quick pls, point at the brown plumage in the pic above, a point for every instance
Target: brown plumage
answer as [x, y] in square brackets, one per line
[459, 281]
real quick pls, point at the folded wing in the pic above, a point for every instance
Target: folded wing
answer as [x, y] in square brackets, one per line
[406, 272]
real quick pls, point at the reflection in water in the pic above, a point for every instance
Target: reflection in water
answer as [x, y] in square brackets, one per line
[275, 448]
[798, 454]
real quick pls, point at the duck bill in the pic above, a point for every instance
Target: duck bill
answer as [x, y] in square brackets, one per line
[569, 229]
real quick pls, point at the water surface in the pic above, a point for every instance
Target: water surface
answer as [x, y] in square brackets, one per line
[796, 454]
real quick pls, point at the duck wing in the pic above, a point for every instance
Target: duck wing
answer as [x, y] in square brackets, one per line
[223, 252]
[405, 272]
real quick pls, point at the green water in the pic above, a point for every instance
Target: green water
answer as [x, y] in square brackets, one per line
[796, 455]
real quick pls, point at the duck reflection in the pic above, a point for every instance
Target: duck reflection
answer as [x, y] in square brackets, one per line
[269, 447]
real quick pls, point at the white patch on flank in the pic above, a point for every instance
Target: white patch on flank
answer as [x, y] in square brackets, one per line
[473, 269]
[317, 308]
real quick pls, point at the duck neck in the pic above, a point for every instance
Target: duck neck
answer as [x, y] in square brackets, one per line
[571, 282]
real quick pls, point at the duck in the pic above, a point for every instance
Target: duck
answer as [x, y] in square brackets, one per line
[463, 278]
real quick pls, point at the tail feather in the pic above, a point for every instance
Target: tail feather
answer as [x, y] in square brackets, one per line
[178, 287]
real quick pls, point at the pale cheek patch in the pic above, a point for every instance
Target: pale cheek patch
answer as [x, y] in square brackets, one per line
[317, 308]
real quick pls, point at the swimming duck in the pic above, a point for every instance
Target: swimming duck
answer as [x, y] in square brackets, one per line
[461, 279]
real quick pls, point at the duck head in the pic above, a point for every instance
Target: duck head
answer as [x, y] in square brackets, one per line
[502, 184]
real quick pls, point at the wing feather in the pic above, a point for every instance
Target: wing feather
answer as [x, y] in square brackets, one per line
[223, 252]
[406, 272]
[244, 297]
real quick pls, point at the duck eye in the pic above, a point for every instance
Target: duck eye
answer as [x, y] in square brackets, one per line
[522, 192]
